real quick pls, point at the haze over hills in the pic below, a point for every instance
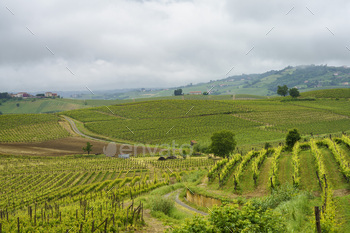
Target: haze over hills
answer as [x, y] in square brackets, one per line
[305, 78]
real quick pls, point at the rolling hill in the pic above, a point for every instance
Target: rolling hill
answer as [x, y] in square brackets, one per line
[305, 78]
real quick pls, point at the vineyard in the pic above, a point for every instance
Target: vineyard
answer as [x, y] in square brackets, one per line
[49, 194]
[30, 128]
[255, 121]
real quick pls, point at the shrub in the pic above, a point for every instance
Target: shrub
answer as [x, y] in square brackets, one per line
[162, 204]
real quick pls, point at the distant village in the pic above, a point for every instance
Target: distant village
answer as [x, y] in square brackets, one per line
[27, 95]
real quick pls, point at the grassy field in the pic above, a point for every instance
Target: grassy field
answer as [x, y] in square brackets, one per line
[56, 194]
[58, 105]
[253, 121]
[59, 193]
[30, 128]
[328, 93]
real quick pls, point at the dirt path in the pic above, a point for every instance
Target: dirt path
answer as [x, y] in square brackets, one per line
[153, 225]
[76, 130]
[178, 201]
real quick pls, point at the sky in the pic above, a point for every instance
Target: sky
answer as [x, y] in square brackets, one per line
[105, 45]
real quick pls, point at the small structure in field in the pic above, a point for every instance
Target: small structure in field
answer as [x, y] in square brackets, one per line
[124, 156]
[193, 142]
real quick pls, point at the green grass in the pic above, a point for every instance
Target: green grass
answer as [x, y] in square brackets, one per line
[308, 176]
[247, 182]
[328, 93]
[343, 212]
[263, 178]
[285, 170]
[334, 176]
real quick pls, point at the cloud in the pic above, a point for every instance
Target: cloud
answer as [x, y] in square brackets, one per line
[129, 43]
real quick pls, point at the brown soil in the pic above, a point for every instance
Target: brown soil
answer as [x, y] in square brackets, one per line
[153, 225]
[59, 147]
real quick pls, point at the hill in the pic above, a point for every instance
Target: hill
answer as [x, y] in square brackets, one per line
[305, 78]
[328, 93]
[33, 105]
[253, 121]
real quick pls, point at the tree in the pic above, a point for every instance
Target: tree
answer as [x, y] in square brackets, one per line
[292, 137]
[294, 92]
[267, 145]
[282, 90]
[222, 143]
[88, 148]
[4, 95]
[17, 105]
[205, 93]
[178, 92]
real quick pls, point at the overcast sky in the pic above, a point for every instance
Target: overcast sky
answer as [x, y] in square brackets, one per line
[162, 43]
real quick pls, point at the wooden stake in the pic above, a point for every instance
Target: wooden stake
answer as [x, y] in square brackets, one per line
[318, 220]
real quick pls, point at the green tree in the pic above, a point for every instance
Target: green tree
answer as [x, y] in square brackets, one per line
[267, 145]
[282, 90]
[205, 93]
[292, 137]
[178, 92]
[294, 92]
[88, 148]
[222, 143]
[17, 105]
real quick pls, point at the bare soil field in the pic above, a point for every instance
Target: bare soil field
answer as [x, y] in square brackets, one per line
[59, 147]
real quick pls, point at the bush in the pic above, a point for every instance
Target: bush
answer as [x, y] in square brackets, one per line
[230, 218]
[283, 193]
[162, 204]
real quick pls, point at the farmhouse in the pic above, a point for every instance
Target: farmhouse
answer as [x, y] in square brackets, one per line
[21, 94]
[50, 94]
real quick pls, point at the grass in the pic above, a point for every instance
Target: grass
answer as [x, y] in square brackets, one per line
[328, 93]
[298, 211]
[308, 176]
[247, 183]
[334, 176]
[263, 178]
[343, 212]
[285, 169]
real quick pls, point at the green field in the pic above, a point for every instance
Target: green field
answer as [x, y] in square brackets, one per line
[55, 194]
[31, 105]
[253, 121]
[85, 192]
[30, 128]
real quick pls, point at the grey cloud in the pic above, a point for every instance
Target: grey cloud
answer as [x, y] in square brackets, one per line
[129, 43]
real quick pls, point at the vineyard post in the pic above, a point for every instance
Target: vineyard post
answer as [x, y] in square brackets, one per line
[317, 217]
[81, 228]
[271, 183]
[0, 227]
[127, 213]
[18, 224]
[106, 224]
[92, 227]
[113, 221]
